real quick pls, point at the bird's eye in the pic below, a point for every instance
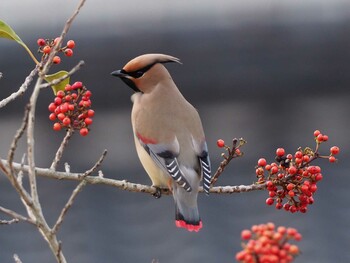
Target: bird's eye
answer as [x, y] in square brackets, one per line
[136, 74]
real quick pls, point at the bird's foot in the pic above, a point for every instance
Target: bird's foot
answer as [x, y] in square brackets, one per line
[158, 192]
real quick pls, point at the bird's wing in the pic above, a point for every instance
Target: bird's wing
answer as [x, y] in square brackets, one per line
[165, 156]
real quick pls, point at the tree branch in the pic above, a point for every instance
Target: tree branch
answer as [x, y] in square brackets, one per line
[21, 89]
[17, 217]
[129, 186]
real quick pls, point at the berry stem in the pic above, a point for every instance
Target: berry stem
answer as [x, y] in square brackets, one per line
[231, 155]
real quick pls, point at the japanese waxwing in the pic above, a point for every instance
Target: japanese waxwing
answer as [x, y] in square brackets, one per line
[168, 134]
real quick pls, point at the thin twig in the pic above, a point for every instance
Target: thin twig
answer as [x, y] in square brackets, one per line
[16, 216]
[60, 150]
[232, 153]
[67, 206]
[16, 258]
[21, 89]
[18, 135]
[70, 73]
[9, 222]
[132, 187]
[96, 165]
[76, 192]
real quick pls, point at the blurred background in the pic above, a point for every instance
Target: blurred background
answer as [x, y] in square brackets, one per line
[268, 71]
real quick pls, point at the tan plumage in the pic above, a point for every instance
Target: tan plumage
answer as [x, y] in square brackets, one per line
[168, 134]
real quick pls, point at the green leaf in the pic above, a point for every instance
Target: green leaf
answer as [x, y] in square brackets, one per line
[7, 32]
[61, 85]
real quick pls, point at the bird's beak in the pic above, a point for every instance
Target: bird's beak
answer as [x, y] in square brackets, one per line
[119, 73]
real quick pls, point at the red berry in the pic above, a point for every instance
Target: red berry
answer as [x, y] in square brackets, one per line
[86, 103]
[46, 49]
[298, 154]
[334, 150]
[88, 121]
[57, 126]
[52, 116]
[41, 42]
[274, 169]
[88, 93]
[318, 177]
[58, 101]
[313, 188]
[320, 137]
[289, 156]
[332, 159]
[66, 121]
[60, 94]
[56, 60]
[84, 131]
[269, 201]
[316, 133]
[71, 44]
[246, 234]
[61, 116]
[290, 186]
[292, 170]
[238, 151]
[71, 107]
[280, 152]
[279, 206]
[220, 143]
[306, 158]
[90, 113]
[262, 162]
[52, 107]
[68, 87]
[77, 85]
[68, 52]
[64, 108]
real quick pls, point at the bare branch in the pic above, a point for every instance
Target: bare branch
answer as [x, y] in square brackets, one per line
[9, 222]
[18, 135]
[60, 150]
[21, 89]
[132, 187]
[96, 165]
[70, 73]
[68, 205]
[17, 217]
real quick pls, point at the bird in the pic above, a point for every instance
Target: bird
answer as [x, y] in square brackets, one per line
[168, 135]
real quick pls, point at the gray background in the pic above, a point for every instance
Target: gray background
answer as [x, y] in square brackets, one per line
[269, 71]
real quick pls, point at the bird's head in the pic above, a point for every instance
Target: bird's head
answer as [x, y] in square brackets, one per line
[144, 72]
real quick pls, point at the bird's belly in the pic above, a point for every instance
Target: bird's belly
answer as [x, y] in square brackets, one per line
[157, 175]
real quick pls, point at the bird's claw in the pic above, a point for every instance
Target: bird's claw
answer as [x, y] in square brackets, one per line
[158, 193]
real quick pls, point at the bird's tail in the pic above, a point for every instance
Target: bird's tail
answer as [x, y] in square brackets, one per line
[186, 210]
[188, 218]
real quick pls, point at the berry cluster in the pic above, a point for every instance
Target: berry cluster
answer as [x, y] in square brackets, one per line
[266, 244]
[71, 109]
[46, 45]
[292, 177]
